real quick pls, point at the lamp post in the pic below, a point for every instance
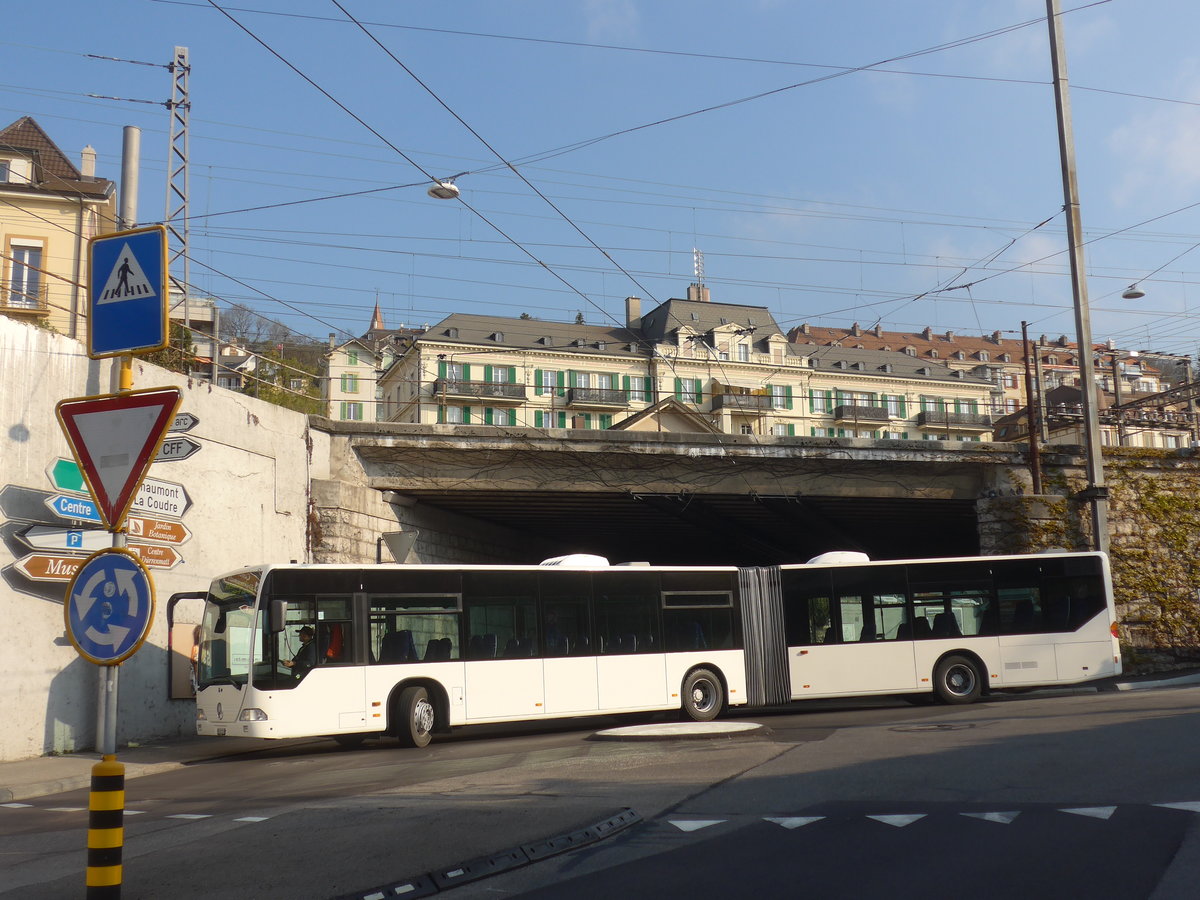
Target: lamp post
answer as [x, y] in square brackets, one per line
[1096, 493]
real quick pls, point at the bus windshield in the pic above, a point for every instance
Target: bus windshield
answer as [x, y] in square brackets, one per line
[226, 634]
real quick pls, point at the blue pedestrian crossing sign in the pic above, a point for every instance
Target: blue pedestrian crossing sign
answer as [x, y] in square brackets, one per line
[127, 292]
[109, 606]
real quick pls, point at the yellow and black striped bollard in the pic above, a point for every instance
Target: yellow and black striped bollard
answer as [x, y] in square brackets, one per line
[106, 831]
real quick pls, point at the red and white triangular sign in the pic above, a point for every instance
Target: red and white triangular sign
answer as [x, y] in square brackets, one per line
[114, 439]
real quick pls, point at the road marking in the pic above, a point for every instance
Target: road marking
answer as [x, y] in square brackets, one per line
[898, 821]
[694, 824]
[191, 816]
[66, 809]
[1191, 806]
[16, 805]
[1095, 812]
[252, 819]
[793, 821]
[1004, 818]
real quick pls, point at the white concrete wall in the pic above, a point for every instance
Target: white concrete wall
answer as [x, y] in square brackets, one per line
[249, 491]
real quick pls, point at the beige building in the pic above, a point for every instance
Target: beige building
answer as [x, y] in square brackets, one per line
[350, 385]
[48, 211]
[729, 364]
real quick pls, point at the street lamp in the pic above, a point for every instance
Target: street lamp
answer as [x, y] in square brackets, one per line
[443, 190]
[1133, 292]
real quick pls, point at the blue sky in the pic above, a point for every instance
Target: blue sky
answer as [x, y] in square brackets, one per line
[854, 198]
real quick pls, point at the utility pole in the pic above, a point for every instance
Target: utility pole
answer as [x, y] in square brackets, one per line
[176, 219]
[1096, 493]
[1033, 415]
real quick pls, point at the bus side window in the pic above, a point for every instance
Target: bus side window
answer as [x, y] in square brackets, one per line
[807, 608]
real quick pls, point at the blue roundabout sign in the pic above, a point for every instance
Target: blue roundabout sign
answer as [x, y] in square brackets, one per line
[109, 606]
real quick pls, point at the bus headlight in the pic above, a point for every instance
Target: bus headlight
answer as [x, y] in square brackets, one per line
[200, 716]
[252, 715]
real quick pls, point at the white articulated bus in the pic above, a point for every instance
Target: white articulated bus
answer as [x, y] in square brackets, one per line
[409, 650]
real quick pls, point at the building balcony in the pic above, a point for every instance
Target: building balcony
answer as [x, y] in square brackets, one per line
[19, 300]
[852, 414]
[939, 418]
[492, 391]
[746, 404]
[597, 398]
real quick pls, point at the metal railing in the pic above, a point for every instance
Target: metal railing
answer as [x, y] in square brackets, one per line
[743, 403]
[853, 412]
[482, 390]
[581, 396]
[941, 418]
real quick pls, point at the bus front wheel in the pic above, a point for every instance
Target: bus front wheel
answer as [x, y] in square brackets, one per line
[416, 717]
[703, 696]
[956, 680]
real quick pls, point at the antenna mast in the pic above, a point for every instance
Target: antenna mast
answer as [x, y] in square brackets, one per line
[178, 225]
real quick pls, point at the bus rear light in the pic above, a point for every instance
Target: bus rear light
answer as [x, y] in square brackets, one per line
[252, 715]
[1115, 629]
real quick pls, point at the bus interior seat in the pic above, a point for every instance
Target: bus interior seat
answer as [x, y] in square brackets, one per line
[868, 632]
[627, 643]
[482, 646]
[904, 631]
[438, 649]
[830, 636]
[945, 625]
[920, 627]
[397, 647]
[697, 636]
[557, 645]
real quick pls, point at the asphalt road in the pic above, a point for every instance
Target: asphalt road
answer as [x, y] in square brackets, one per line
[1034, 796]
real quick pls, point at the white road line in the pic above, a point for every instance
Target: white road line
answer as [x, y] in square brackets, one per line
[16, 805]
[190, 816]
[694, 824]
[793, 821]
[252, 819]
[1095, 812]
[1004, 818]
[898, 821]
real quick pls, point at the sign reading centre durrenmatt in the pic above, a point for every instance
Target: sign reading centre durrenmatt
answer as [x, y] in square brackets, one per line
[127, 292]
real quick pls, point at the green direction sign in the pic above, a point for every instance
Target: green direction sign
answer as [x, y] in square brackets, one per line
[65, 476]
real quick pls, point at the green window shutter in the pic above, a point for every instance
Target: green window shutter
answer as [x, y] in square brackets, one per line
[678, 388]
[441, 368]
[812, 431]
[587, 420]
[904, 435]
[466, 415]
[787, 396]
[571, 378]
[699, 392]
[512, 374]
[812, 401]
[625, 384]
[903, 408]
[466, 373]
[512, 417]
[562, 419]
[649, 390]
[537, 382]
[487, 373]
[344, 409]
[441, 415]
[537, 418]
[560, 377]
[606, 421]
[791, 430]
[487, 415]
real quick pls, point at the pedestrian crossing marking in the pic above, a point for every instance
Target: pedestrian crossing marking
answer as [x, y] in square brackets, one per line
[16, 805]
[126, 281]
[1095, 812]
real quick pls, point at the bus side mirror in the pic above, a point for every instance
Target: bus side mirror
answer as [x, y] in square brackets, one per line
[277, 616]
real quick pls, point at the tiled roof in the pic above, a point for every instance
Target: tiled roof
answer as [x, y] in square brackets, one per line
[534, 334]
[880, 362]
[52, 170]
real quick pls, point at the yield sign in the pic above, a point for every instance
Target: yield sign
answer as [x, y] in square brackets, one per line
[114, 439]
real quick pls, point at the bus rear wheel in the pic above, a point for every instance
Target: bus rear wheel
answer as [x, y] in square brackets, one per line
[956, 680]
[703, 696]
[415, 717]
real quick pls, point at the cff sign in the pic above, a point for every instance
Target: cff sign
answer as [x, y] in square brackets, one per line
[176, 448]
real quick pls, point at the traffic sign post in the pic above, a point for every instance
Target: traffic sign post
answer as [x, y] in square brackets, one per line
[114, 439]
[127, 292]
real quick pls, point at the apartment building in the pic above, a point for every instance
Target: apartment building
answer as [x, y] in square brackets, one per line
[49, 209]
[729, 364]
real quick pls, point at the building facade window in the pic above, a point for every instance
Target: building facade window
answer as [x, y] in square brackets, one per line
[743, 352]
[352, 411]
[349, 383]
[24, 277]
[352, 357]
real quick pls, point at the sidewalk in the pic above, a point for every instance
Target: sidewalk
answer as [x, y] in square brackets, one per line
[44, 775]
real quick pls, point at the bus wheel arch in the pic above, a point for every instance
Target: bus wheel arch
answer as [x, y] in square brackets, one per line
[703, 693]
[959, 677]
[416, 709]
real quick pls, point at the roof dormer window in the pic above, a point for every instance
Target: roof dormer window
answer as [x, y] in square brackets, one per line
[497, 336]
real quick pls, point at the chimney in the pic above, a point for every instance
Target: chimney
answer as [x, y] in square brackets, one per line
[806, 328]
[950, 336]
[878, 329]
[855, 330]
[697, 292]
[995, 337]
[633, 312]
[927, 332]
[332, 340]
[87, 166]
